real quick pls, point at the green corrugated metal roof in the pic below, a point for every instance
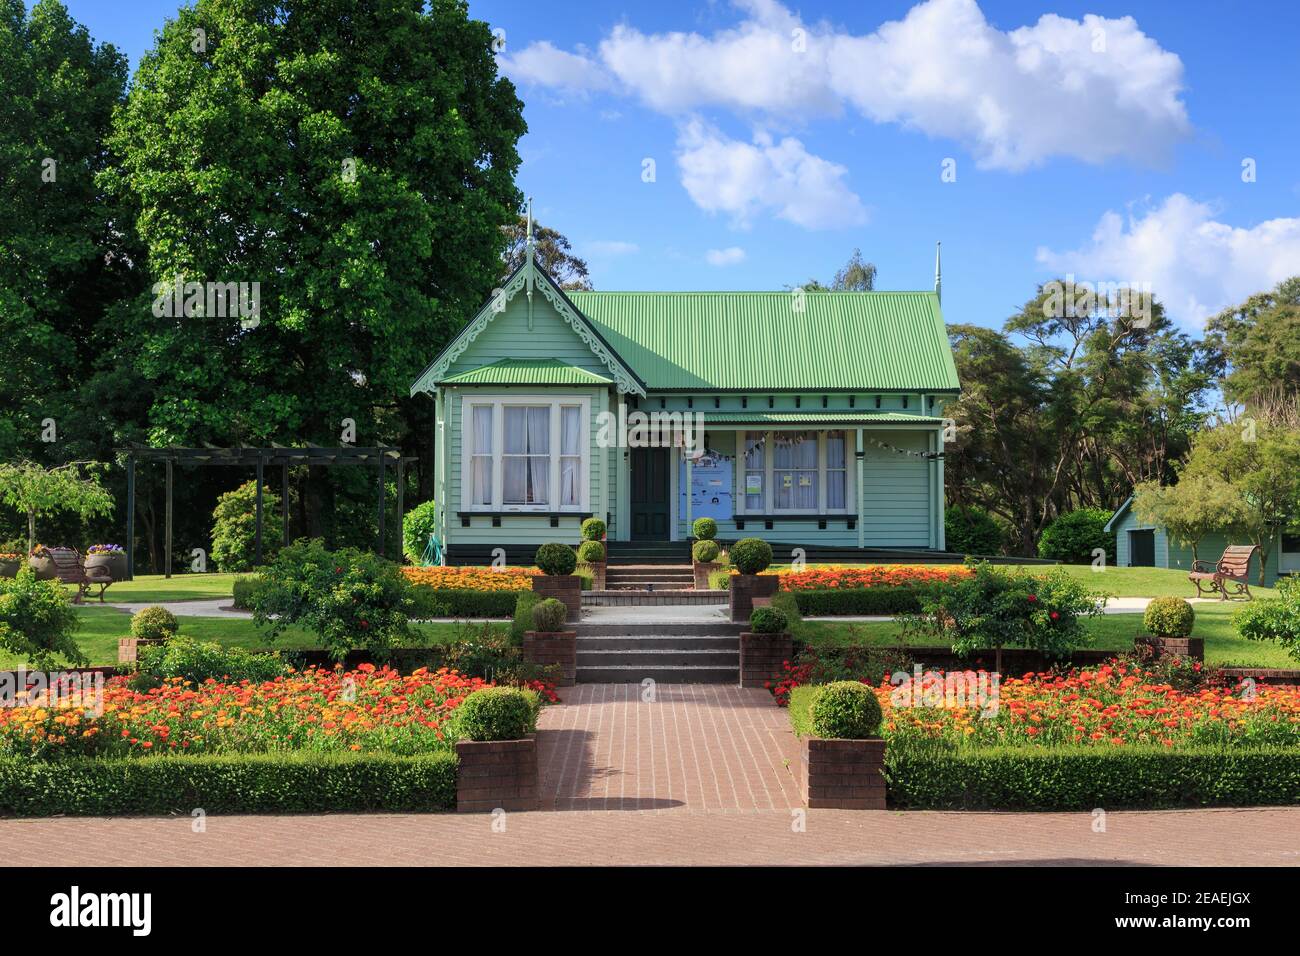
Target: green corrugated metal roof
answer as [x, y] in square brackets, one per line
[872, 341]
[853, 417]
[527, 372]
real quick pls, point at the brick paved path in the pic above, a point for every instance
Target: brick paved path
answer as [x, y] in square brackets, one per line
[700, 746]
[1182, 837]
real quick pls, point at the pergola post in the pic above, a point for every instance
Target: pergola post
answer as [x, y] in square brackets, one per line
[381, 503]
[167, 552]
[401, 500]
[284, 502]
[130, 517]
[260, 477]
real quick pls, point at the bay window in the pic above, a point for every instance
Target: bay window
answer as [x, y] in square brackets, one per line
[524, 453]
[794, 472]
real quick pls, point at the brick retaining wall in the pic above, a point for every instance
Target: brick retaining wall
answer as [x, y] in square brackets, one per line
[566, 588]
[496, 775]
[746, 587]
[762, 657]
[843, 774]
[558, 649]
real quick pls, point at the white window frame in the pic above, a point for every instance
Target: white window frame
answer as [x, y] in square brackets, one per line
[769, 487]
[499, 403]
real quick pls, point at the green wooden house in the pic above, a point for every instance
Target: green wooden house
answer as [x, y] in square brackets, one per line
[810, 419]
[1139, 544]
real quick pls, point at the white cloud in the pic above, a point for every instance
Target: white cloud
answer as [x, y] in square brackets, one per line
[542, 63]
[1090, 89]
[1196, 264]
[730, 256]
[726, 175]
[611, 247]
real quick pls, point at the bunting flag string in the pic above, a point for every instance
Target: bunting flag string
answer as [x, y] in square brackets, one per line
[885, 446]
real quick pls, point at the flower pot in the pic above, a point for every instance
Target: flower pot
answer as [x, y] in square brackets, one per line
[9, 567]
[744, 588]
[702, 571]
[44, 568]
[115, 561]
[565, 588]
[557, 649]
[1151, 645]
[128, 648]
[763, 657]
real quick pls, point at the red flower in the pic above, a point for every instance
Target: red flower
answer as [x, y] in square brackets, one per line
[1033, 598]
[1055, 616]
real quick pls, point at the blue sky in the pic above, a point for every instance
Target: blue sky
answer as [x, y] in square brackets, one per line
[1104, 138]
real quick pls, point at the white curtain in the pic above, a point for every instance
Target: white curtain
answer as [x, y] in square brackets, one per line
[515, 465]
[755, 448]
[794, 460]
[570, 454]
[836, 469]
[539, 455]
[482, 454]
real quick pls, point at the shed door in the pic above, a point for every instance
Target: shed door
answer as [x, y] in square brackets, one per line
[1142, 549]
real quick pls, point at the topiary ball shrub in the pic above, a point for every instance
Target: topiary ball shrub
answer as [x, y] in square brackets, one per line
[1169, 617]
[549, 616]
[706, 551]
[593, 529]
[592, 552]
[751, 555]
[495, 713]
[554, 558]
[846, 710]
[154, 624]
[768, 620]
[706, 529]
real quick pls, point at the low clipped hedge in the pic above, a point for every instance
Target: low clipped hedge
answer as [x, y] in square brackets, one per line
[524, 602]
[242, 592]
[886, 600]
[249, 783]
[461, 602]
[1023, 778]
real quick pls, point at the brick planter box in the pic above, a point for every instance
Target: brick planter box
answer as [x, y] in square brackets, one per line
[1193, 647]
[597, 569]
[565, 588]
[762, 657]
[499, 774]
[843, 774]
[702, 571]
[128, 648]
[555, 649]
[744, 588]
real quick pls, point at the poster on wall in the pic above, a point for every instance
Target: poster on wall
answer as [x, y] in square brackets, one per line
[710, 486]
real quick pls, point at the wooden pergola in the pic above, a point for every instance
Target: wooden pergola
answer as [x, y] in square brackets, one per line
[379, 457]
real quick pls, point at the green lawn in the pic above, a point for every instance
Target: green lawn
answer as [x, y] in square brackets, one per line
[179, 587]
[1139, 582]
[1223, 645]
[101, 627]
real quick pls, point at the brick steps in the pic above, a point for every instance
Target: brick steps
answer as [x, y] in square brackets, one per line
[674, 653]
[655, 598]
[649, 577]
[634, 674]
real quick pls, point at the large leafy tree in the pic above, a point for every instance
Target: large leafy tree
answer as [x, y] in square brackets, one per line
[355, 160]
[552, 250]
[1195, 507]
[61, 264]
[1257, 345]
[856, 275]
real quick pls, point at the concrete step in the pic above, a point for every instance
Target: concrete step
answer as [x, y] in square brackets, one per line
[648, 586]
[666, 657]
[635, 674]
[657, 597]
[723, 642]
[676, 629]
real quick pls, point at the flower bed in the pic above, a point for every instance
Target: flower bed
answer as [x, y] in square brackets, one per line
[321, 711]
[837, 577]
[473, 579]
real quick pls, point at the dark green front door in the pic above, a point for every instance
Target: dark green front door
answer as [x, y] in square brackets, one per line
[1142, 549]
[650, 494]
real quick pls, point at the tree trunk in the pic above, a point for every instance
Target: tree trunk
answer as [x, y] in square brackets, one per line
[31, 531]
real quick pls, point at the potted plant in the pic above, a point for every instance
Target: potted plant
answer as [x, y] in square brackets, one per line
[11, 558]
[110, 556]
[40, 562]
[548, 644]
[750, 557]
[844, 761]
[591, 554]
[705, 552]
[1168, 622]
[765, 648]
[557, 580]
[150, 627]
[496, 749]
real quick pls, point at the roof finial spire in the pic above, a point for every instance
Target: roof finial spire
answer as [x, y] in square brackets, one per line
[938, 274]
[528, 239]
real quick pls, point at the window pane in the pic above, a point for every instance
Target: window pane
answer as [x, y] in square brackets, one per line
[754, 449]
[482, 430]
[539, 476]
[515, 481]
[539, 431]
[570, 469]
[834, 489]
[516, 430]
[570, 430]
[835, 450]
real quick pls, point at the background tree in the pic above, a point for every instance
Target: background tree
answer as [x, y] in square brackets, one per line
[553, 251]
[857, 275]
[1257, 348]
[358, 161]
[1198, 505]
[35, 491]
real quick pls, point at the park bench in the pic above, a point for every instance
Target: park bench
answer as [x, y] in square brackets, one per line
[70, 568]
[1229, 571]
